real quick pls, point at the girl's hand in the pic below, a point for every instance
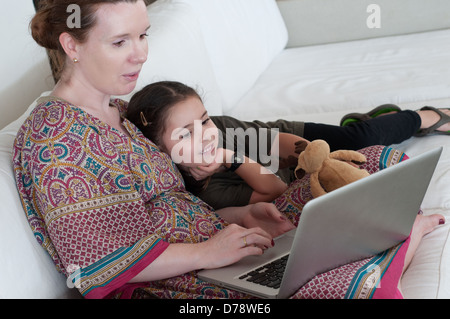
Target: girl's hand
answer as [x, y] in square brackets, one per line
[267, 217]
[201, 172]
[232, 244]
[204, 171]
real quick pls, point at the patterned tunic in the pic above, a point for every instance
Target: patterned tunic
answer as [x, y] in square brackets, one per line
[100, 202]
[105, 206]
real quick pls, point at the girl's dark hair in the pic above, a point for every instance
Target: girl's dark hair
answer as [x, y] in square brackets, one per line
[50, 22]
[148, 108]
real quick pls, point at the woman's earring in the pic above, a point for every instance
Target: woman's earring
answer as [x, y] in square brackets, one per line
[75, 60]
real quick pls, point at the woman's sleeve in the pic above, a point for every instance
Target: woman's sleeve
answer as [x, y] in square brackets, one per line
[82, 204]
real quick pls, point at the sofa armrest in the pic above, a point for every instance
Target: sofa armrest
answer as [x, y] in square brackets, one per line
[311, 22]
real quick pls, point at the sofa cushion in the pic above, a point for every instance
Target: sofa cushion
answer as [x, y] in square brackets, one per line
[27, 269]
[246, 36]
[315, 82]
[177, 52]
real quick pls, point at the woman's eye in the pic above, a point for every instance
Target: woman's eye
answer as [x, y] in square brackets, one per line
[206, 121]
[144, 35]
[119, 43]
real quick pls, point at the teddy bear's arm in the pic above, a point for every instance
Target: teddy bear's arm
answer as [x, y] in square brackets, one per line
[316, 188]
[348, 156]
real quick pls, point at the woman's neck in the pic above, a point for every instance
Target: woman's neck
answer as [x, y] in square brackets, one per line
[81, 96]
[94, 103]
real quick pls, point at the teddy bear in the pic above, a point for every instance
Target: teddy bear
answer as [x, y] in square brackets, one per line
[329, 171]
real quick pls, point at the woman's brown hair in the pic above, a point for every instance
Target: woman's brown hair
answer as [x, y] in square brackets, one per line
[51, 20]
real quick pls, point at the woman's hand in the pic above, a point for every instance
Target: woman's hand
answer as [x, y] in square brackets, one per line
[261, 223]
[232, 244]
[226, 247]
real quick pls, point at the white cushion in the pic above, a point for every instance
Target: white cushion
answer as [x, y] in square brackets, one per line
[428, 276]
[242, 37]
[345, 76]
[27, 270]
[177, 52]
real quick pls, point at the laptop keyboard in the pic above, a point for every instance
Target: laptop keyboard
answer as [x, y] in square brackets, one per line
[269, 275]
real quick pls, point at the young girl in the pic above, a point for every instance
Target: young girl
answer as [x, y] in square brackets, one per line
[173, 116]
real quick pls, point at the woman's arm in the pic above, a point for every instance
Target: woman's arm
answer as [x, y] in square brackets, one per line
[251, 232]
[226, 247]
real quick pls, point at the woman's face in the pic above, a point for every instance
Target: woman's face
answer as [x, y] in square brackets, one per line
[116, 48]
[190, 137]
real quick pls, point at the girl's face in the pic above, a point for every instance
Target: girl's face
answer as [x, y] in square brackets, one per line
[116, 48]
[190, 137]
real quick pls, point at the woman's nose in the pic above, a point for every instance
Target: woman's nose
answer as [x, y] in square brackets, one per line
[140, 53]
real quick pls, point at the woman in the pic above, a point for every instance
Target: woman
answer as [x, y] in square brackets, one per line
[99, 196]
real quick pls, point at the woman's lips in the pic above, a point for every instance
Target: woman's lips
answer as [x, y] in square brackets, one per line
[132, 76]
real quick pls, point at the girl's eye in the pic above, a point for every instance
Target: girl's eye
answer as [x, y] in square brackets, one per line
[144, 35]
[206, 121]
[184, 136]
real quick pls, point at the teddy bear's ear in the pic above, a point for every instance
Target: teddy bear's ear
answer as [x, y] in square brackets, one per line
[299, 172]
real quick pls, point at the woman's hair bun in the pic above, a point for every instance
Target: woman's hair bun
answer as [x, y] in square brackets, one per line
[42, 29]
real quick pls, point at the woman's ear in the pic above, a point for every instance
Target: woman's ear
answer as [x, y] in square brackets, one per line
[69, 45]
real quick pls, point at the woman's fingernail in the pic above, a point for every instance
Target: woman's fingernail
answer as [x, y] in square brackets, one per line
[273, 243]
[441, 221]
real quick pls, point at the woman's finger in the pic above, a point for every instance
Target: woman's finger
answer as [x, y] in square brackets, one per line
[256, 237]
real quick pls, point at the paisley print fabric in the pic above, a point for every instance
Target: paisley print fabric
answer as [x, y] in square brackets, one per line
[105, 205]
[100, 202]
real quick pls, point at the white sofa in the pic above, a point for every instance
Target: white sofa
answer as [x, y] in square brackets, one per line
[250, 61]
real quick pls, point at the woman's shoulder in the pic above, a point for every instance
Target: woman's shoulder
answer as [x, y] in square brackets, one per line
[52, 107]
[50, 116]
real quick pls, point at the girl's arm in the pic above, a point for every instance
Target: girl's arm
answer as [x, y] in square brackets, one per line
[289, 148]
[265, 184]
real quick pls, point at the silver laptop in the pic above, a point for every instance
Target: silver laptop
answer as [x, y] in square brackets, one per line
[353, 222]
